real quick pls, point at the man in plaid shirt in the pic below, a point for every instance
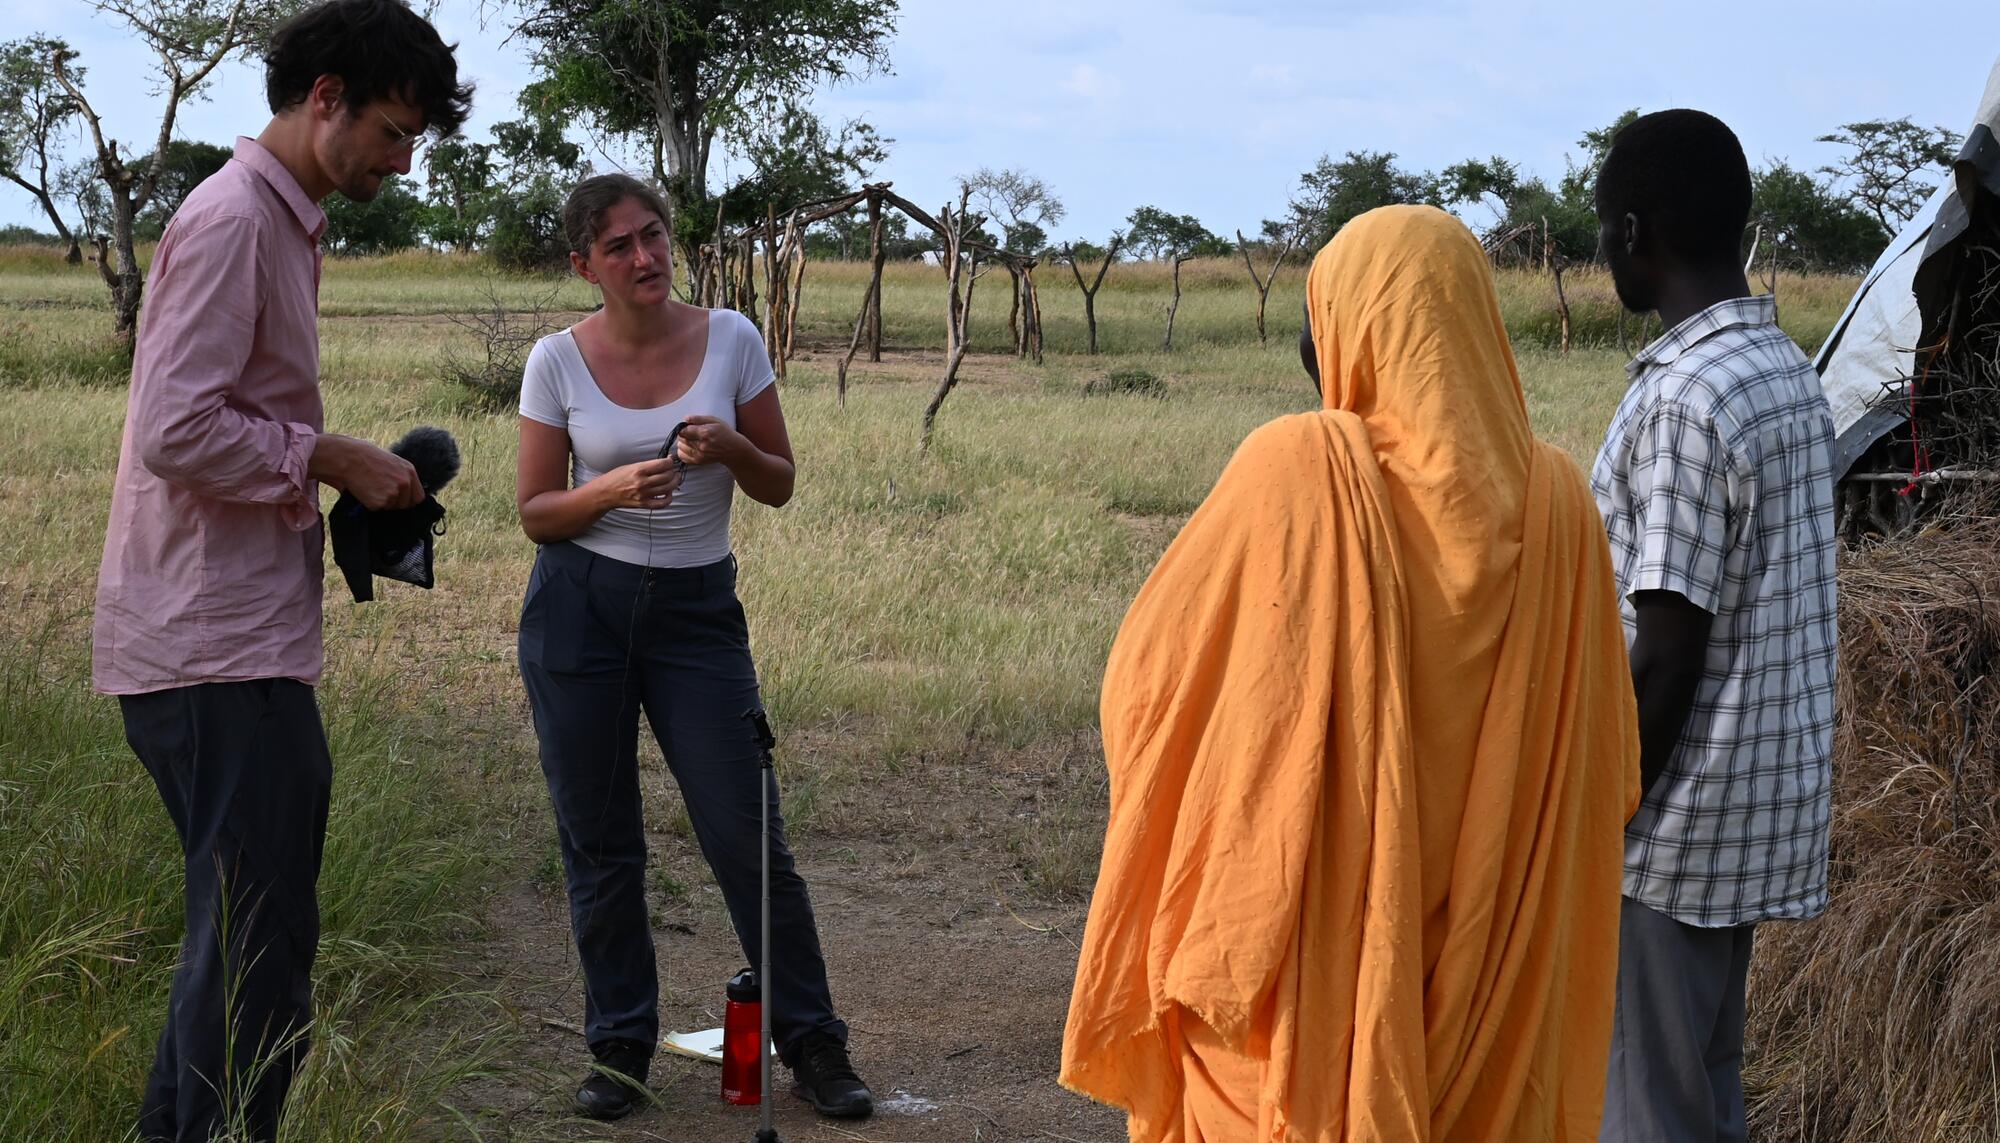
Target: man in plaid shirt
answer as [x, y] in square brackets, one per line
[1717, 490]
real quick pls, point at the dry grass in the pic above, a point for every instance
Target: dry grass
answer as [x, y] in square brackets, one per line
[1881, 1020]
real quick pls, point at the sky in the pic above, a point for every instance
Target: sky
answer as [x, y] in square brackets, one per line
[1213, 108]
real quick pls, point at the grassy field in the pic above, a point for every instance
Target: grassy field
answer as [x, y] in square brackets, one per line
[917, 619]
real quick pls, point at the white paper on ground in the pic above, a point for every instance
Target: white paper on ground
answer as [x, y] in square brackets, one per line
[702, 1045]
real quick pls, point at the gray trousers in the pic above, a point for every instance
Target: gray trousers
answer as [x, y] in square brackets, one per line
[1676, 1072]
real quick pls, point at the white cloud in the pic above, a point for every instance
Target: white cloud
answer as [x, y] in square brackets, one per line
[1088, 82]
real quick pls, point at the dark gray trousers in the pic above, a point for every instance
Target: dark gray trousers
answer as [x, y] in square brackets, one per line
[601, 641]
[1676, 1073]
[244, 772]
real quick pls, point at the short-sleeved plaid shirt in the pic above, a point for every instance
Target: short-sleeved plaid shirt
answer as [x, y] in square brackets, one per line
[1716, 482]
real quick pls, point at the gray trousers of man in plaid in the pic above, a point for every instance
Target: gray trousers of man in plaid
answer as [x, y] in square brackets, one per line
[1676, 1073]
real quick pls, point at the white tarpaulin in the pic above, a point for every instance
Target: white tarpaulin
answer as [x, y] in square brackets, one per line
[1872, 349]
[1873, 345]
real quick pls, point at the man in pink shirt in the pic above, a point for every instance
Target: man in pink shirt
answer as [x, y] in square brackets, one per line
[208, 600]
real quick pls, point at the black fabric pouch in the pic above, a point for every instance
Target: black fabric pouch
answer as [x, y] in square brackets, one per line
[395, 543]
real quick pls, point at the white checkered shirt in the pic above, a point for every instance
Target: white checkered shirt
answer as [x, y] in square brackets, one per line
[1716, 482]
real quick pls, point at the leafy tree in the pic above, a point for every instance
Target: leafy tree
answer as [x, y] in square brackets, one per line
[1336, 191]
[540, 165]
[681, 74]
[14, 234]
[1887, 173]
[1022, 206]
[844, 237]
[1153, 233]
[1525, 205]
[390, 221]
[1174, 237]
[1081, 250]
[34, 109]
[188, 163]
[795, 158]
[1579, 182]
[460, 192]
[190, 39]
[1495, 182]
[1813, 226]
[81, 188]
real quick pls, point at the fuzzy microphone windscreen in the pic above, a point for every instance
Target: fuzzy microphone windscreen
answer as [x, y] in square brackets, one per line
[432, 452]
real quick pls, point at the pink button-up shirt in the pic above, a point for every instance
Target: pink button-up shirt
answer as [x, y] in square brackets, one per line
[212, 561]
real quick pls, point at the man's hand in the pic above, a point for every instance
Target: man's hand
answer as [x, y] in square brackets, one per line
[709, 441]
[375, 476]
[1669, 656]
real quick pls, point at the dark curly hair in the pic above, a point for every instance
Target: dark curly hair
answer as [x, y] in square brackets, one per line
[379, 48]
[1684, 172]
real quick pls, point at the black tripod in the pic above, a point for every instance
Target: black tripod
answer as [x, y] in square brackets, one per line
[766, 741]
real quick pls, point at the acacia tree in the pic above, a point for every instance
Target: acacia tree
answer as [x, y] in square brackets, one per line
[1174, 238]
[1810, 225]
[33, 108]
[1337, 190]
[191, 38]
[1022, 205]
[681, 74]
[1885, 173]
[1024, 208]
[1071, 254]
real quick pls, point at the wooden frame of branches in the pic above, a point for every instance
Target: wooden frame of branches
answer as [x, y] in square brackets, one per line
[729, 268]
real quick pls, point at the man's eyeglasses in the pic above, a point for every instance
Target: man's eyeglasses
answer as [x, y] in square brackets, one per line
[414, 142]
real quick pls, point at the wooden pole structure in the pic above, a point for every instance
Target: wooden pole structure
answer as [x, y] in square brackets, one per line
[1552, 260]
[795, 243]
[1263, 284]
[773, 311]
[1090, 291]
[958, 309]
[1035, 309]
[746, 279]
[876, 256]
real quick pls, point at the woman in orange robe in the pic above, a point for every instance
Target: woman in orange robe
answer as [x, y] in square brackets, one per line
[1372, 746]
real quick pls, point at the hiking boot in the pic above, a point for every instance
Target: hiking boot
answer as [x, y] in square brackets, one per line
[825, 1078]
[617, 1082]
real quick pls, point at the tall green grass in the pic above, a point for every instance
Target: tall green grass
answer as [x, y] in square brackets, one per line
[90, 916]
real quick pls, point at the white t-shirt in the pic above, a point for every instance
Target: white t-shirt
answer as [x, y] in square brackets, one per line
[558, 390]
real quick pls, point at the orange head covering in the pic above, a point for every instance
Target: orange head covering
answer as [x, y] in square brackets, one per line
[1372, 745]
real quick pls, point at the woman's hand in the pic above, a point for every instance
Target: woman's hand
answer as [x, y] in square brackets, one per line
[648, 484]
[706, 440]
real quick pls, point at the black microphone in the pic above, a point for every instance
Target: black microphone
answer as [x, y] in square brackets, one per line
[432, 452]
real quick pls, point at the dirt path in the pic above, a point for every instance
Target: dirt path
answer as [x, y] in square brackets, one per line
[952, 976]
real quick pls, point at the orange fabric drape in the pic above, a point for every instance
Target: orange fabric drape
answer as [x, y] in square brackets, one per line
[1372, 746]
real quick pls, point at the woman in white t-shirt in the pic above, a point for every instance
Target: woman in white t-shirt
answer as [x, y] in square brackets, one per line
[632, 607]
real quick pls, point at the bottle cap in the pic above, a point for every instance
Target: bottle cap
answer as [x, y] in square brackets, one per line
[743, 987]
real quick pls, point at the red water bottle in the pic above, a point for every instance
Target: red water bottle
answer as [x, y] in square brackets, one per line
[742, 1040]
